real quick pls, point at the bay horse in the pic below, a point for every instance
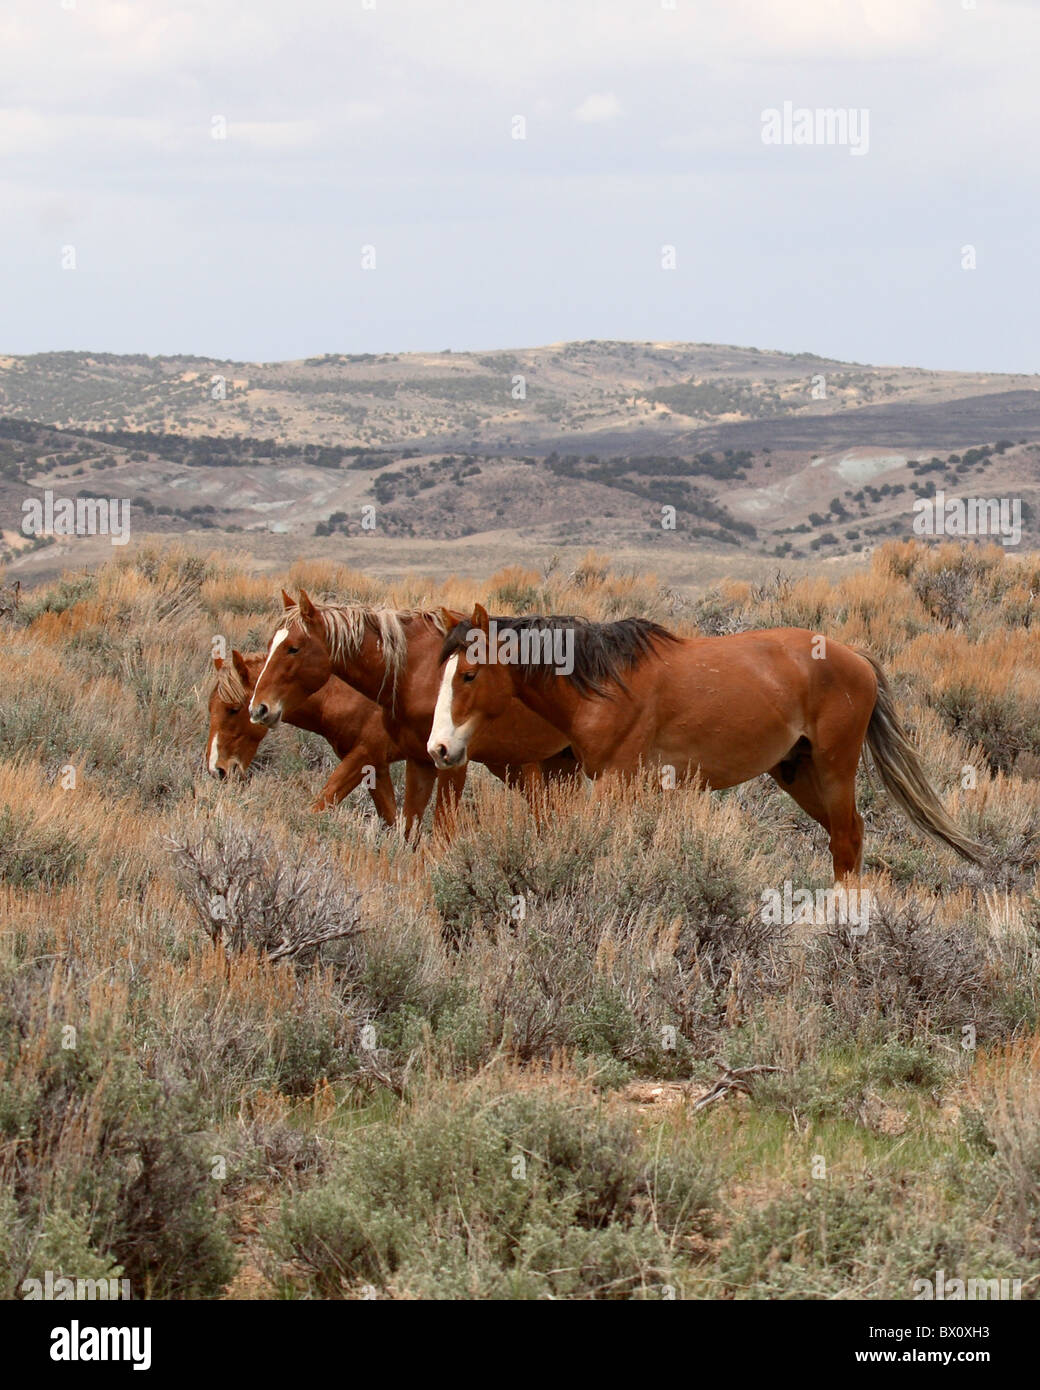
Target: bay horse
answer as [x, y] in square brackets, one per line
[631, 694]
[392, 657]
[350, 723]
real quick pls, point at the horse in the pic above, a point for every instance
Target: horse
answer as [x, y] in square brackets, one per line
[342, 716]
[391, 656]
[719, 710]
[350, 723]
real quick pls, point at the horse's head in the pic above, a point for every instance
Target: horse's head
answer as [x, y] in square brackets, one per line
[475, 686]
[233, 738]
[297, 664]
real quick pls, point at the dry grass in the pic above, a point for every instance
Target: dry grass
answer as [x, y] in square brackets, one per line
[212, 1118]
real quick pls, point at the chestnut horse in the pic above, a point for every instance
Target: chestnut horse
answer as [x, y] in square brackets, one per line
[722, 710]
[392, 657]
[351, 724]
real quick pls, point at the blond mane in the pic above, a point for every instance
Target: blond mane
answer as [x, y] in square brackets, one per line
[345, 625]
[229, 686]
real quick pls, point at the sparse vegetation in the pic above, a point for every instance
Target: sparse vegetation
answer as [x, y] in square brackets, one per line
[472, 1070]
[451, 445]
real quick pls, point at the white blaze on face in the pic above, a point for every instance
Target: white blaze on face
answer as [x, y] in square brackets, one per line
[276, 642]
[214, 755]
[444, 734]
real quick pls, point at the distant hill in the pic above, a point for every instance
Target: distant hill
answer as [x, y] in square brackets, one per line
[590, 443]
[525, 398]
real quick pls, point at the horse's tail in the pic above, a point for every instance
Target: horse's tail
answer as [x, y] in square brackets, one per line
[902, 772]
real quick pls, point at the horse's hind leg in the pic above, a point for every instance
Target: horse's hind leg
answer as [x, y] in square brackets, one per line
[846, 824]
[796, 775]
[836, 751]
[825, 788]
[832, 780]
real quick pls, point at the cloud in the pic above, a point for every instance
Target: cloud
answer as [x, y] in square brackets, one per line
[275, 136]
[600, 106]
[393, 124]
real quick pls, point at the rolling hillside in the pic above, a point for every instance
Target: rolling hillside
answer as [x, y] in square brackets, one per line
[786, 456]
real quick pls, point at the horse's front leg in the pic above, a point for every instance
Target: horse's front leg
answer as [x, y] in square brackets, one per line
[383, 796]
[418, 787]
[344, 779]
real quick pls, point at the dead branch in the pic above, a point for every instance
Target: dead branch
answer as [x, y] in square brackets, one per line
[732, 1079]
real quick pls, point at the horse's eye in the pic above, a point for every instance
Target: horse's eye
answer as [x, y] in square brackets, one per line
[469, 676]
[292, 650]
[236, 710]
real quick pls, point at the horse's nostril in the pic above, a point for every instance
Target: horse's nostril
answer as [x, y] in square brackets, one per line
[442, 751]
[261, 711]
[221, 773]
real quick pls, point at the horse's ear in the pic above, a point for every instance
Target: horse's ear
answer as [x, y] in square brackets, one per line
[480, 618]
[287, 601]
[447, 620]
[242, 667]
[308, 612]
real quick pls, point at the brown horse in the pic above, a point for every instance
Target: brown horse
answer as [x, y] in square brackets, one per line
[392, 657]
[341, 715]
[351, 724]
[630, 694]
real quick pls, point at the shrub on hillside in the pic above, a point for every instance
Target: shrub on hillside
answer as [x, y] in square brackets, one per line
[246, 893]
[521, 1193]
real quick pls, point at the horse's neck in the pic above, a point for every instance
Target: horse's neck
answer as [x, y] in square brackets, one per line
[417, 683]
[341, 714]
[313, 715]
[367, 670]
[555, 699]
[421, 678]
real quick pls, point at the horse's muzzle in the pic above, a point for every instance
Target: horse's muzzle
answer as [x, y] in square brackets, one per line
[264, 714]
[230, 772]
[445, 758]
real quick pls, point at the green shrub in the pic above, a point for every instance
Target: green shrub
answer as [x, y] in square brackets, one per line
[478, 1194]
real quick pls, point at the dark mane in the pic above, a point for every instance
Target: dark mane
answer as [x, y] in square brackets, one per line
[603, 652]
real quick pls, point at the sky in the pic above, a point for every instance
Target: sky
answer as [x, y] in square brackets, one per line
[258, 180]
